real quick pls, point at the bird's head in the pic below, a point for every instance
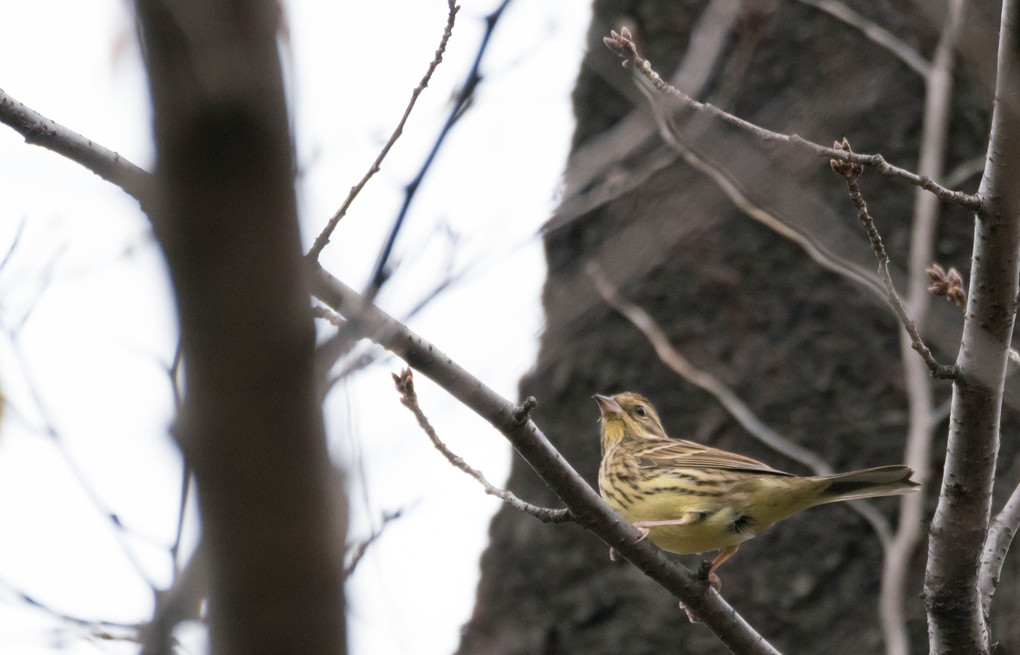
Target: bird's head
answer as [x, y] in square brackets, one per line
[628, 416]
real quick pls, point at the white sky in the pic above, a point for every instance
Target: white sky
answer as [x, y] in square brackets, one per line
[100, 325]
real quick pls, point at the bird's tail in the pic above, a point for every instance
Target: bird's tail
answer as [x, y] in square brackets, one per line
[881, 481]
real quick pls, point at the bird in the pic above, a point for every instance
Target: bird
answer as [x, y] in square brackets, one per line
[690, 498]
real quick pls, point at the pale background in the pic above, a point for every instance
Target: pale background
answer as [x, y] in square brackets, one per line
[88, 326]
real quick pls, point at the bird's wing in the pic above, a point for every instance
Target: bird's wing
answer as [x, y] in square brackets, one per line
[679, 453]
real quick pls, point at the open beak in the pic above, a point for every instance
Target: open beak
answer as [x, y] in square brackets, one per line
[608, 407]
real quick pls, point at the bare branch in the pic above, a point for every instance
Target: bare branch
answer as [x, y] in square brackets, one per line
[358, 550]
[622, 45]
[41, 131]
[14, 242]
[583, 502]
[49, 427]
[181, 602]
[850, 173]
[323, 238]
[174, 374]
[97, 628]
[1000, 536]
[409, 399]
[874, 32]
[380, 272]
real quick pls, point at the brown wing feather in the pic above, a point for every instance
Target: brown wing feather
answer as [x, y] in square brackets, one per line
[679, 453]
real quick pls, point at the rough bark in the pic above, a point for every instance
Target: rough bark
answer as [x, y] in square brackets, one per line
[814, 353]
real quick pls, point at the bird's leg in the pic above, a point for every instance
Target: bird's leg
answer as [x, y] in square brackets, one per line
[686, 519]
[644, 533]
[708, 569]
[707, 573]
[643, 528]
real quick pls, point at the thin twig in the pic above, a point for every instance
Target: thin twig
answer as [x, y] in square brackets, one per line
[49, 428]
[46, 276]
[358, 550]
[323, 238]
[622, 45]
[174, 373]
[380, 272]
[181, 602]
[409, 399]
[594, 174]
[816, 248]
[850, 172]
[874, 32]
[96, 626]
[729, 400]
[14, 242]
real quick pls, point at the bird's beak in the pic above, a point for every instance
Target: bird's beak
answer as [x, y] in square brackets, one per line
[608, 406]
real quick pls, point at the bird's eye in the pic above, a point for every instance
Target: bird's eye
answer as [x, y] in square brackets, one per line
[640, 411]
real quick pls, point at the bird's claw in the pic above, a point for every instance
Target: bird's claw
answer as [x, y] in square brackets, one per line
[705, 574]
[690, 615]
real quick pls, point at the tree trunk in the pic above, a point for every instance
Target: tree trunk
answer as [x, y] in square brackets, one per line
[783, 309]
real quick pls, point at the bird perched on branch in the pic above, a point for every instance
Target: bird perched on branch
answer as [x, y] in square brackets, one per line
[689, 498]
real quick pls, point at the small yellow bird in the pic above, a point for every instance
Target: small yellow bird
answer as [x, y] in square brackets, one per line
[689, 498]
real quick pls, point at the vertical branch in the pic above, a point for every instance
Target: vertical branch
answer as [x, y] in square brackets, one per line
[918, 383]
[225, 214]
[956, 623]
[1000, 536]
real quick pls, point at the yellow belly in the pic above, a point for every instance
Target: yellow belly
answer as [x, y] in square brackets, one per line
[711, 533]
[714, 522]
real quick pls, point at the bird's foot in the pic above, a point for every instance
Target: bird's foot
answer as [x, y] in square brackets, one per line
[706, 575]
[643, 530]
[690, 615]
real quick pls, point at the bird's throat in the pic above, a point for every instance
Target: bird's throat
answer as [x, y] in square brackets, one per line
[613, 432]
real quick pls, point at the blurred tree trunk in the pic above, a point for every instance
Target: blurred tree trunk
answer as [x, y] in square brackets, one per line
[814, 353]
[251, 425]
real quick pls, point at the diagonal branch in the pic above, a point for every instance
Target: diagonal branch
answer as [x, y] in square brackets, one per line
[380, 272]
[1000, 536]
[41, 131]
[358, 550]
[584, 503]
[323, 238]
[622, 45]
[97, 628]
[874, 32]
